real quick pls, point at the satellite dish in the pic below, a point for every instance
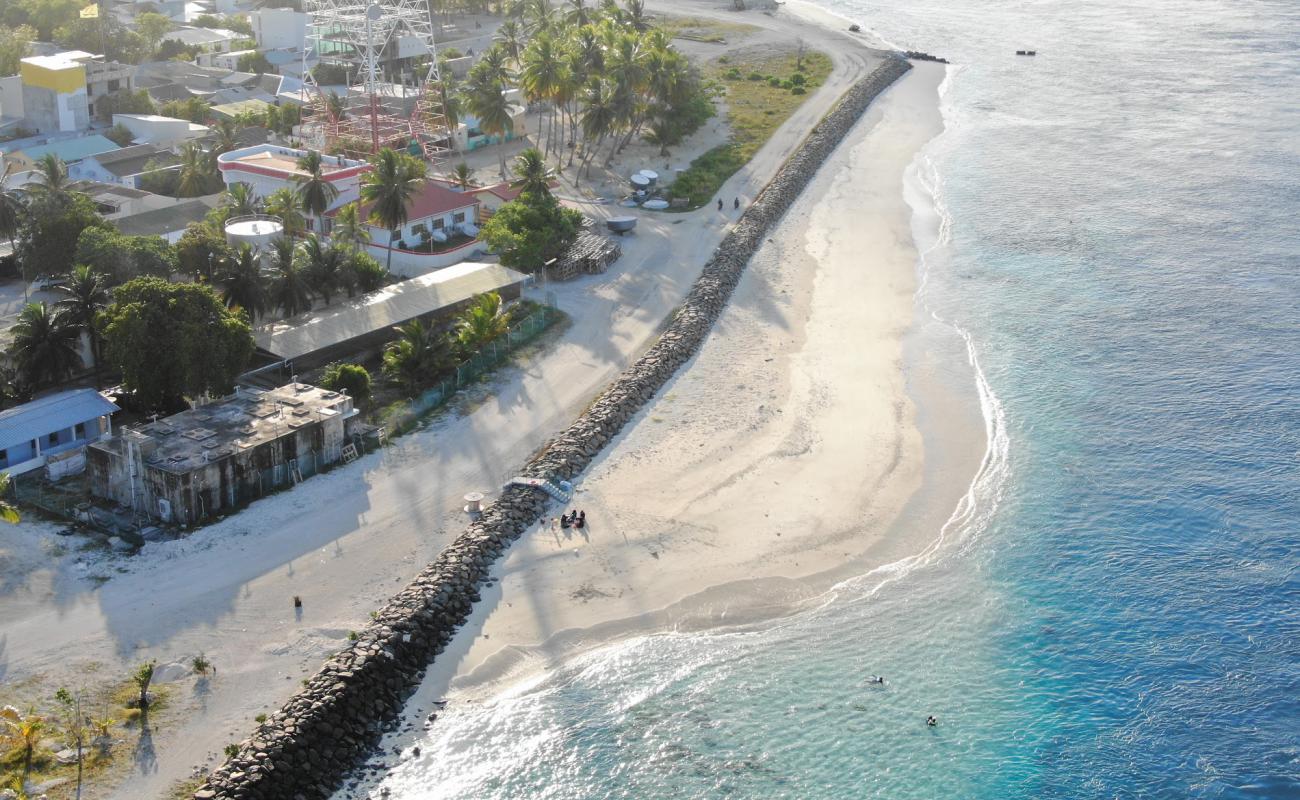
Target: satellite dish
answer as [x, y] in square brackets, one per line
[374, 12]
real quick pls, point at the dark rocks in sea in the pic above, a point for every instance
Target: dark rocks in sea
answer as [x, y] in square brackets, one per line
[307, 749]
[917, 55]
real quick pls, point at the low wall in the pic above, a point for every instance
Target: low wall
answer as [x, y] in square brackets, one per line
[308, 747]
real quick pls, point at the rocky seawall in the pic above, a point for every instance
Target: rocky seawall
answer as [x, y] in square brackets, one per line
[307, 748]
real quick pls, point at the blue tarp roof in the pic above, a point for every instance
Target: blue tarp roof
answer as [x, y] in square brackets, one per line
[49, 414]
[72, 149]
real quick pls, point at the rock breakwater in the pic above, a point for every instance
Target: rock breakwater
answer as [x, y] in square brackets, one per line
[305, 749]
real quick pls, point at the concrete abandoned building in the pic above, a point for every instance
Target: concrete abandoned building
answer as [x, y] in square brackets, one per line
[222, 455]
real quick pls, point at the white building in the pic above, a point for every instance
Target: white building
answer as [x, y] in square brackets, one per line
[441, 229]
[164, 131]
[269, 167]
[276, 28]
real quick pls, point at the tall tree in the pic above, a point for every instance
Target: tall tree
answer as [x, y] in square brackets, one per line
[324, 265]
[290, 288]
[485, 98]
[197, 174]
[418, 354]
[482, 323]
[534, 176]
[44, 346]
[388, 188]
[462, 175]
[84, 295]
[52, 175]
[242, 200]
[285, 204]
[12, 210]
[315, 192]
[349, 229]
[242, 284]
[542, 76]
[174, 340]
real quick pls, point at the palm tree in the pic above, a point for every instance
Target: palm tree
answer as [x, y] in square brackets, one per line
[510, 36]
[634, 16]
[285, 204]
[8, 511]
[12, 211]
[542, 76]
[462, 176]
[481, 323]
[349, 229]
[242, 284]
[324, 265]
[599, 116]
[85, 294]
[577, 13]
[493, 66]
[26, 729]
[197, 171]
[418, 354]
[388, 189]
[44, 347]
[315, 192]
[242, 200]
[486, 99]
[541, 16]
[337, 108]
[226, 131]
[290, 289]
[53, 177]
[534, 175]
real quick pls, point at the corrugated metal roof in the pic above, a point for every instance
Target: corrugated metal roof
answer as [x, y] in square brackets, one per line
[393, 305]
[73, 149]
[49, 414]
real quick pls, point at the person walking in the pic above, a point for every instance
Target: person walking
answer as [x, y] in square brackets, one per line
[719, 203]
[736, 204]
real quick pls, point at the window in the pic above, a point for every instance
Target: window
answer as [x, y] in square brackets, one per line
[53, 438]
[458, 217]
[4, 457]
[80, 431]
[114, 85]
[437, 224]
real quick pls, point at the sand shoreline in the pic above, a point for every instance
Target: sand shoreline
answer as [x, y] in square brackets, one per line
[817, 415]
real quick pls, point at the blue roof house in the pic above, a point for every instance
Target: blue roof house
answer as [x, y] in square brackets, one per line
[63, 423]
[70, 151]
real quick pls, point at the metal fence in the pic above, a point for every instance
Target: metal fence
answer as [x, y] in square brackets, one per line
[473, 368]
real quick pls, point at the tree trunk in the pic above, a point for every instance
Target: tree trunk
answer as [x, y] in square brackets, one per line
[392, 236]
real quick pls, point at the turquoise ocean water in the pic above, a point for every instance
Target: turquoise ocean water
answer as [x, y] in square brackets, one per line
[1115, 610]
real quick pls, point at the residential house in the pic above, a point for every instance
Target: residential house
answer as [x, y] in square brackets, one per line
[58, 91]
[269, 167]
[54, 429]
[71, 151]
[169, 222]
[441, 230]
[212, 40]
[276, 28]
[125, 166]
[158, 130]
[113, 200]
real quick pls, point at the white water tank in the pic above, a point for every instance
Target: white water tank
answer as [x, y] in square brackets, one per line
[258, 231]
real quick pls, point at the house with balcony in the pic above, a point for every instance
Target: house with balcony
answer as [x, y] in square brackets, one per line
[53, 432]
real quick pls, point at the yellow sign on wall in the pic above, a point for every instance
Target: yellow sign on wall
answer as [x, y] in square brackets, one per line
[90, 12]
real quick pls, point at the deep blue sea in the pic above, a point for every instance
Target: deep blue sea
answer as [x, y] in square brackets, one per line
[1116, 612]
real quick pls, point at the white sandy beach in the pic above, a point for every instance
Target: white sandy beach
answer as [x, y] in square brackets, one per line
[775, 464]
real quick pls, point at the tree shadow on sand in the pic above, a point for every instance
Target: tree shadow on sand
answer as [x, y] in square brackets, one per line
[145, 756]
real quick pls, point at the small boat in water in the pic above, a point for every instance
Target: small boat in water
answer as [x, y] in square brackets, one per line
[1026, 52]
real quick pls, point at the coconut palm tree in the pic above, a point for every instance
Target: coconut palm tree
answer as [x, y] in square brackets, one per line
[417, 356]
[493, 66]
[485, 98]
[510, 37]
[388, 189]
[85, 294]
[44, 346]
[542, 76]
[226, 131]
[634, 16]
[599, 116]
[242, 283]
[8, 511]
[541, 16]
[242, 200]
[52, 174]
[197, 171]
[315, 192]
[285, 204]
[324, 266]
[26, 729]
[576, 13]
[462, 176]
[349, 230]
[481, 323]
[290, 289]
[12, 211]
[534, 176]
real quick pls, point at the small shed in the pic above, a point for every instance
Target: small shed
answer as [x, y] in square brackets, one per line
[32, 433]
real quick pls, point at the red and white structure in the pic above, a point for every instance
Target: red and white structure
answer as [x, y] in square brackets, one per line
[268, 167]
[393, 95]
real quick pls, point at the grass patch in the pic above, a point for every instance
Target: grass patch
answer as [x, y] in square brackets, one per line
[756, 107]
[700, 29]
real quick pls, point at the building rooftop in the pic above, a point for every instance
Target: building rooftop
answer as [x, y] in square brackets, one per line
[232, 110]
[316, 330]
[193, 36]
[282, 162]
[72, 149]
[162, 221]
[99, 188]
[48, 414]
[188, 440]
[431, 199]
[132, 160]
[57, 61]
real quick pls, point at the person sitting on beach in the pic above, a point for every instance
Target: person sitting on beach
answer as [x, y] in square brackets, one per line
[579, 519]
[564, 520]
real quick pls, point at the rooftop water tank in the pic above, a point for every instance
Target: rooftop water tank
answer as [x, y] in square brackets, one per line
[258, 231]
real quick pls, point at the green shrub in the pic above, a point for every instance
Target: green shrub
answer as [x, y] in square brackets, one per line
[352, 378]
[798, 90]
[259, 719]
[732, 74]
[773, 81]
[724, 60]
[701, 181]
[787, 85]
[231, 750]
[798, 79]
[757, 76]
